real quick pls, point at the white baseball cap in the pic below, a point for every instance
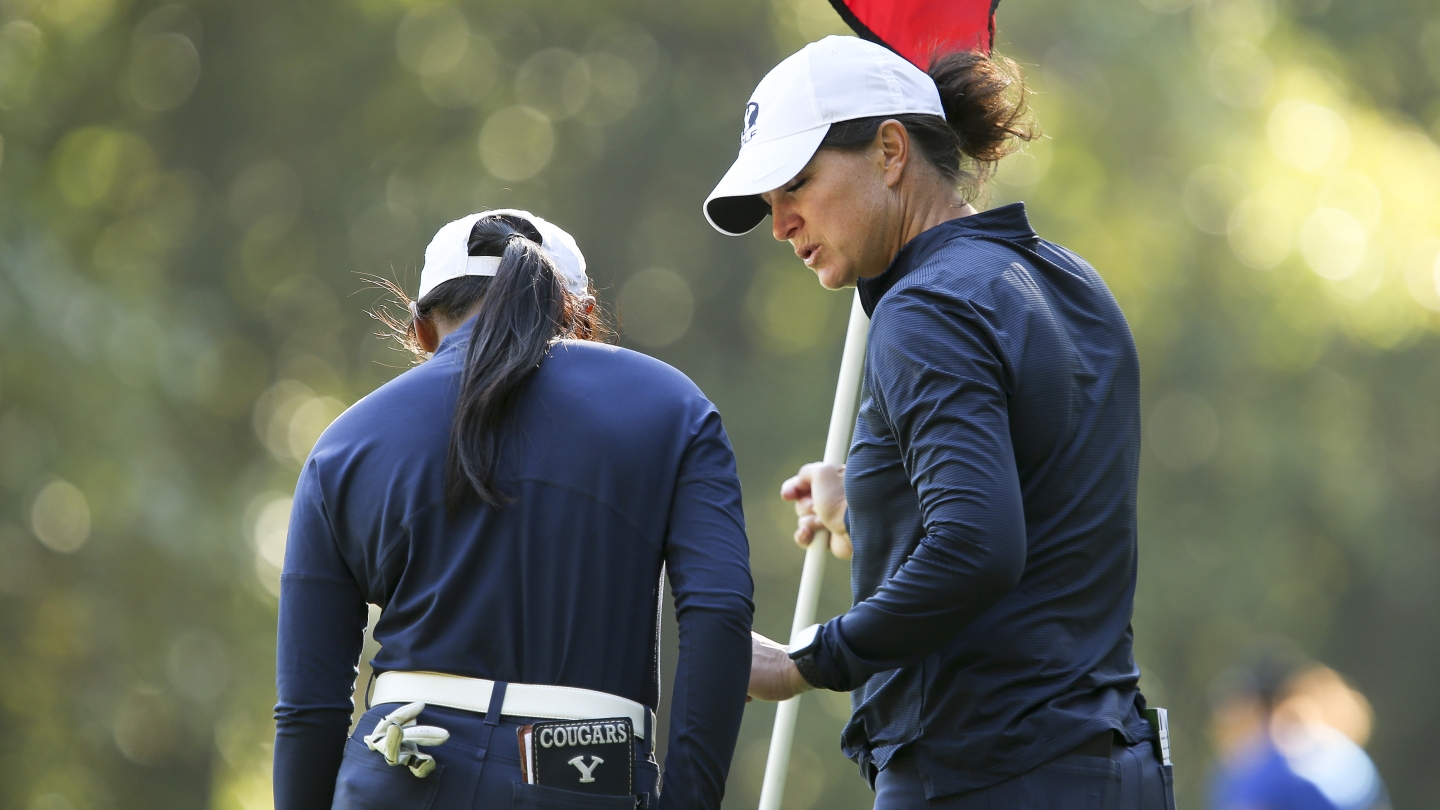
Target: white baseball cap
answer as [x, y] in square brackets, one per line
[835, 79]
[448, 255]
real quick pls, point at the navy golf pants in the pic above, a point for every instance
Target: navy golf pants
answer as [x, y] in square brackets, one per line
[478, 768]
[1131, 779]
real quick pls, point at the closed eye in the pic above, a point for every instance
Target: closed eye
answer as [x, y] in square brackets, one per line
[790, 189]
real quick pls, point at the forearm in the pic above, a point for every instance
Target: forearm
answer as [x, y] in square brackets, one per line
[707, 703]
[941, 589]
[708, 563]
[321, 631]
[308, 749]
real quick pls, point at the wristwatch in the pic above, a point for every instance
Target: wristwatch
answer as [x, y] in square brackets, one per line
[802, 652]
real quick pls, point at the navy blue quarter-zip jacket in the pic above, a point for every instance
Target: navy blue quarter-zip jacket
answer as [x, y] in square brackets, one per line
[992, 490]
[616, 465]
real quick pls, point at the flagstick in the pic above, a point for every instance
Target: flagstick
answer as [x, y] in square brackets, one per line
[837, 444]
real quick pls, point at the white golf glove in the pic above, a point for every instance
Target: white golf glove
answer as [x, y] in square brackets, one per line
[396, 737]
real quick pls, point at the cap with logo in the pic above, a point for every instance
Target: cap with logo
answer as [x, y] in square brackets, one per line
[835, 79]
[448, 254]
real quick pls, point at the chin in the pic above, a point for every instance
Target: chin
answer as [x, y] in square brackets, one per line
[834, 278]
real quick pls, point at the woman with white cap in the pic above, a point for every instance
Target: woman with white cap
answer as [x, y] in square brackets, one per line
[510, 504]
[989, 496]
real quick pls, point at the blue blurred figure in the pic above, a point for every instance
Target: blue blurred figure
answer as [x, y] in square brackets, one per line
[1290, 739]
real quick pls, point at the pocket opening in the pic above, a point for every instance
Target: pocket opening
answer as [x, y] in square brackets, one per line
[536, 797]
[367, 782]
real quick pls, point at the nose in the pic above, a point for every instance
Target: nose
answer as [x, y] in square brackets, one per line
[784, 221]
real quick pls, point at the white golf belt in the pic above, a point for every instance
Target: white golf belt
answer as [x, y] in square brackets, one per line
[521, 699]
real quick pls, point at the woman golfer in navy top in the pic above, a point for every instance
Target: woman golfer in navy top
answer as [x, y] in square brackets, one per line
[989, 494]
[510, 504]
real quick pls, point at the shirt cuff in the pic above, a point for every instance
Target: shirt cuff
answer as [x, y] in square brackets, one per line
[837, 667]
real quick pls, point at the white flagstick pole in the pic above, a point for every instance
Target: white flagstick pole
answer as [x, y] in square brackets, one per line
[837, 444]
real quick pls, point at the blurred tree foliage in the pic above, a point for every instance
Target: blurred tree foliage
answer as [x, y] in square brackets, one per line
[190, 194]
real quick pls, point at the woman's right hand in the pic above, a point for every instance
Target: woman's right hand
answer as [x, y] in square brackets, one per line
[818, 491]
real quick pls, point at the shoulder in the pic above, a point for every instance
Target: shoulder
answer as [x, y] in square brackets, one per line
[420, 399]
[623, 402]
[967, 280]
[942, 293]
[968, 268]
[954, 310]
[592, 364]
[622, 393]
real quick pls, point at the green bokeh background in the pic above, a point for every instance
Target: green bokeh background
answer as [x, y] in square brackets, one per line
[191, 197]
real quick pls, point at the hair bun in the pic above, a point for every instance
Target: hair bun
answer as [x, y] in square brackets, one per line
[985, 101]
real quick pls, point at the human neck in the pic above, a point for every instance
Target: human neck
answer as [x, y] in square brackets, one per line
[917, 209]
[445, 327]
[930, 203]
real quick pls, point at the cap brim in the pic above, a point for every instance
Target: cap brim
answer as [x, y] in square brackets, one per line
[735, 207]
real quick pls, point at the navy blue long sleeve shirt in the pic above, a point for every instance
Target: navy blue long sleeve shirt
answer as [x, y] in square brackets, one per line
[991, 485]
[617, 465]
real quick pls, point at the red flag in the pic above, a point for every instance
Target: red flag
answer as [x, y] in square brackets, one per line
[921, 30]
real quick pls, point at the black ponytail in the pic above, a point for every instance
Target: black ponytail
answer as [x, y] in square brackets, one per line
[986, 114]
[519, 316]
[519, 313]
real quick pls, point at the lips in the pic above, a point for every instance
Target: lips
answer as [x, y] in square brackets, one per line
[807, 253]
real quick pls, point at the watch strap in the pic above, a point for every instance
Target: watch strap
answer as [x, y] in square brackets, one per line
[808, 669]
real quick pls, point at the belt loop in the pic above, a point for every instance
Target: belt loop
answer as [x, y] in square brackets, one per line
[650, 731]
[492, 719]
[370, 688]
[497, 703]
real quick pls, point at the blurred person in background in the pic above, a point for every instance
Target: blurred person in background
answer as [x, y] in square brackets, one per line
[1291, 738]
[510, 503]
[990, 492]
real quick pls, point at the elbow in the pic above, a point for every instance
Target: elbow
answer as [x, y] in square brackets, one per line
[998, 571]
[1002, 566]
[990, 566]
[727, 607]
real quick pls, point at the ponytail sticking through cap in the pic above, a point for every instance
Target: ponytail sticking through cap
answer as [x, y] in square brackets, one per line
[515, 314]
[983, 93]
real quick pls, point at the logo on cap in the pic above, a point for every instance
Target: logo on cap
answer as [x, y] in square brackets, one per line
[752, 113]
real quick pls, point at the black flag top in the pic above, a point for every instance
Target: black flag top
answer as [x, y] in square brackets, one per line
[921, 30]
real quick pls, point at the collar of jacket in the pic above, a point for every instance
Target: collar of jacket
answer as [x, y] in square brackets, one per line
[1008, 223]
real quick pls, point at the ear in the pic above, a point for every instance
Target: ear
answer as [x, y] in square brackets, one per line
[892, 142]
[426, 335]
